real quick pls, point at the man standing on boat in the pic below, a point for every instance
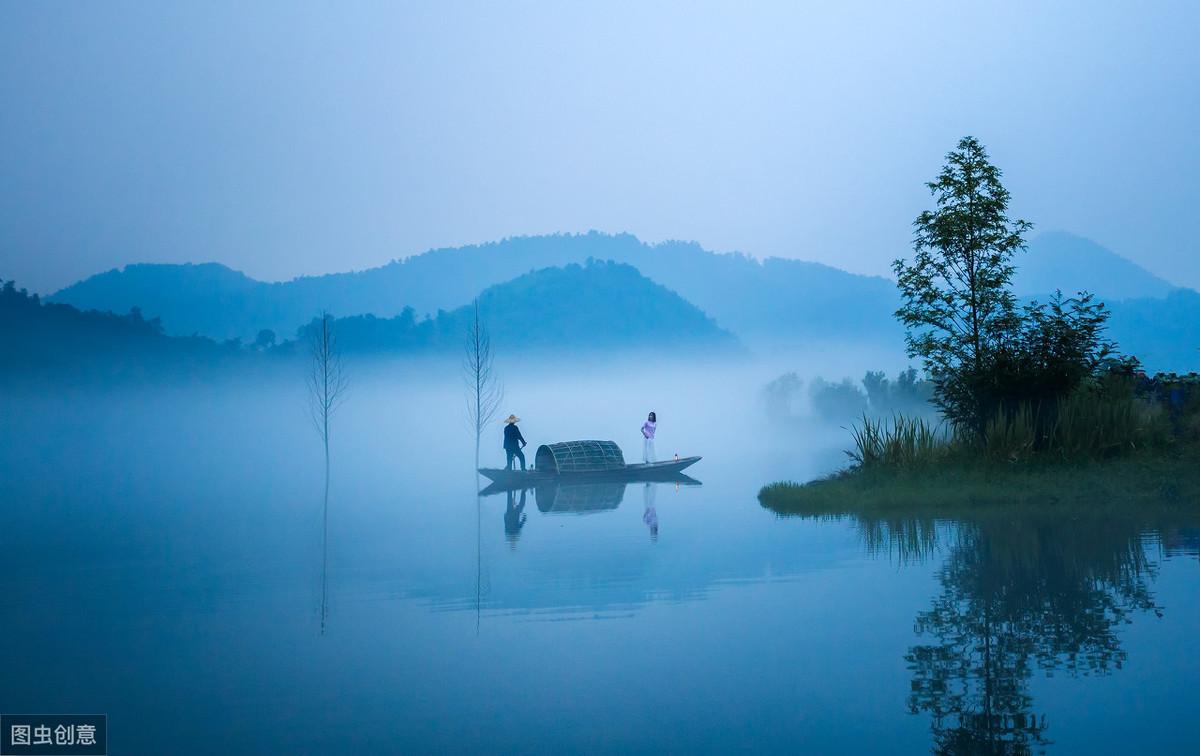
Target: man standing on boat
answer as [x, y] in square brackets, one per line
[513, 442]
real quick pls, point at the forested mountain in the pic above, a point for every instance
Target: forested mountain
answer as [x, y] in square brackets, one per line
[56, 339]
[578, 308]
[207, 299]
[772, 299]
[594, 306]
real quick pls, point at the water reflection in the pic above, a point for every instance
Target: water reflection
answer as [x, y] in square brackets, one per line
[557, 497]
[580, 498]
[1181, 542]
[1021, 594]
[649, 513]
[514, 518]
[325, 560]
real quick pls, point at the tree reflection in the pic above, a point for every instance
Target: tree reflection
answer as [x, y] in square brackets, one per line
[1019, 596]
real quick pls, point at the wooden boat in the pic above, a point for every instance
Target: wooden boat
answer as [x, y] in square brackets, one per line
[584, 461]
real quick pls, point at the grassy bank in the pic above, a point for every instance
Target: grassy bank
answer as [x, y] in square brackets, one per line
[1152, 479]
[1113, 444]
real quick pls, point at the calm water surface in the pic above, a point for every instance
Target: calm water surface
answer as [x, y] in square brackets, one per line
[165, 562]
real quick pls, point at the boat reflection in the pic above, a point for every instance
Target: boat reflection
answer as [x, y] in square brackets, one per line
[579, 498]
[554, 497]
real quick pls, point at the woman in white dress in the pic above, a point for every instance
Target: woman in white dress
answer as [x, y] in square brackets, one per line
[648, 428]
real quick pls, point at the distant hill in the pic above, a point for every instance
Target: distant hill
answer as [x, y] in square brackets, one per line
[598, 305]
[1163, 333]
[208, 299]
[772, 299]
[1151, 319]
[59, 340]
[1058, 260]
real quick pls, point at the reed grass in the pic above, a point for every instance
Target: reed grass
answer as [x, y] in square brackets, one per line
[1091, 425]
[1086, 425]
[898, 441]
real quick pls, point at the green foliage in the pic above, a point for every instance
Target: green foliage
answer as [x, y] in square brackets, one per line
[1091, 423]
[1054, 349]
[1179, 395]
[964, 486]
[998, 373]
[898, 442]
[956, 299]
[1008, 436]
[1094, 422]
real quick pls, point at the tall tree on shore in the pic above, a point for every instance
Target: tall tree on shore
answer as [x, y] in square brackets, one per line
[484, 392]
[956, 299]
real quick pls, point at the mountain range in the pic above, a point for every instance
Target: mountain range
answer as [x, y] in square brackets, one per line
[774, 298]
[572, 309]
[764, 303]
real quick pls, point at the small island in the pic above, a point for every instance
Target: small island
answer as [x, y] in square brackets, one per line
[1035, 405]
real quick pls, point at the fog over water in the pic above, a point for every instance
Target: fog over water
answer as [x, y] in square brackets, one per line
[163, 549]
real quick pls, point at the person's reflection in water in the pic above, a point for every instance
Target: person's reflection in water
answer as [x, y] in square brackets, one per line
[514, 519]
[650, 515]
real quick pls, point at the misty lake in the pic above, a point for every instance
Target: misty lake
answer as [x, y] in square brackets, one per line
[165, 562]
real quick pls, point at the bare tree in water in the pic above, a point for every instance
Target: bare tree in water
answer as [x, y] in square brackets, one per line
[326, 389]
[484, 392]
[326, 379]
[484, 395]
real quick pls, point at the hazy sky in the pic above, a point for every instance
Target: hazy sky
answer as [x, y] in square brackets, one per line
[286, 139]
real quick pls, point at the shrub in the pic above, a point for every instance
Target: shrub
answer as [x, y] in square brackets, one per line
[1090, 423]
[781, 396]
[837, 401]
[907, 393]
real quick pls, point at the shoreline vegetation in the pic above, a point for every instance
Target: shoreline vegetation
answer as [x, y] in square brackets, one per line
[1035, 406]
[1146, 479]
[1127, 441]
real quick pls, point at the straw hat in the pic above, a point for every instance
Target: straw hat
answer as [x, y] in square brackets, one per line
[512, 419]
